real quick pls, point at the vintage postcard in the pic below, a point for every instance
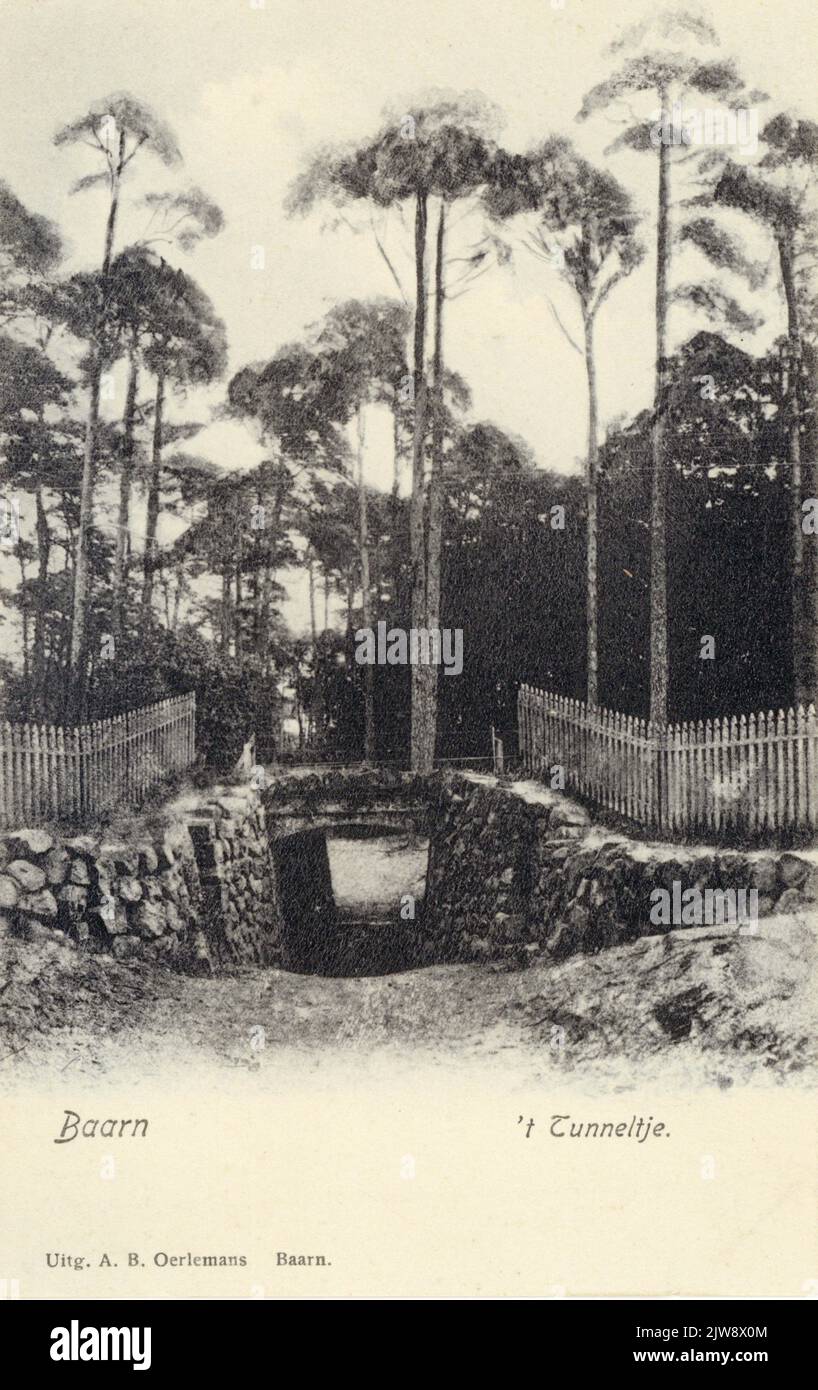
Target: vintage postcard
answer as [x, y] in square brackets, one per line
[409, 621]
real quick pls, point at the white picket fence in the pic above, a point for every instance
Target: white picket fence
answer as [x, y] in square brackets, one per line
[49, 773]
[756, 774]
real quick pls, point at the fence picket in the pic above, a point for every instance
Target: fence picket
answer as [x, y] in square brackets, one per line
[812, 768]
[801, 764]
[51, 772]
[756, 772]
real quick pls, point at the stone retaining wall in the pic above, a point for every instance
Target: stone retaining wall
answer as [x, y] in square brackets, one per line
[239, 896]
[516, 871]
[196, 895]
[201, 894]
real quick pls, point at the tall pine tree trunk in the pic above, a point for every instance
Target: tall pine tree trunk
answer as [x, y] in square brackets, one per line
[238, 615]
[592, 539]
[181, 592]
[429, 674]
[267, 578]
[272, 531]
[41, 601]
[658, 498]
[77, 652]
[77, 656]
[803, 558]
[366, 614]
[125, 483]
[311, 584]
[377, 567]
[154, 494]
[394, 501]
[24, 609]
[225, 618]
[419, 753]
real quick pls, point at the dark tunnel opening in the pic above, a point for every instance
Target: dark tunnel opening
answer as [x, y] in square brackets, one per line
[351, 899]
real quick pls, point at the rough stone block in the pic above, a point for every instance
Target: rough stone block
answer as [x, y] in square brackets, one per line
[29, 842]
[9, 892]
[173, 918]
[56, 865]
[733, 869]
[82, 844]
[124, 859]
[792, 871]
[791, 900]
[80, 873]
[148, 859]
[766, 904]
[111, 917]
[42, 904]
[148, 919]
[165, 854]
[763, 875]
[129, 890]
[74, 895]
[163, 948]
[29, 876]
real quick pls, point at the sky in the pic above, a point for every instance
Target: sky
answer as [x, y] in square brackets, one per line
[251, 87]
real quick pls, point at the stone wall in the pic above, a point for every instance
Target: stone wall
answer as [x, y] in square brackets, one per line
[197, 894]
[203, 892]
[514, 872]
[239, 897]
[301, 800]
[518, 871]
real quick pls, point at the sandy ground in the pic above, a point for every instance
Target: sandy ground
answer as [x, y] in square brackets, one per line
[698, 1007]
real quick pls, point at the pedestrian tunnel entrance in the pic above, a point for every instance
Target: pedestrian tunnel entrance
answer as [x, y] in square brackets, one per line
[351, 898]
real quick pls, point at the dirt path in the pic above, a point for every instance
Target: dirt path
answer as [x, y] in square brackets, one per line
[703, 1006]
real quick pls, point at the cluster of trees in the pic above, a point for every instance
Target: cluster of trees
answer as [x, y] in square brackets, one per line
[107, 624]
[514, 567]
[581, 221]
[691, 519]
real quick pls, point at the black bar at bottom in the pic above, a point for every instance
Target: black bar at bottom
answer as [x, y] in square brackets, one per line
[635, 1336]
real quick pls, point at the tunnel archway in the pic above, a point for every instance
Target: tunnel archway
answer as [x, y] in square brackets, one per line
[331, 928]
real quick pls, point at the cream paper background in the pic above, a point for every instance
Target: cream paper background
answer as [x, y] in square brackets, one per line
[320, 1166]
[316, 1161]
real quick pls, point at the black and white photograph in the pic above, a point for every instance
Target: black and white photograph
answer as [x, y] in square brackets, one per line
[408, 652]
